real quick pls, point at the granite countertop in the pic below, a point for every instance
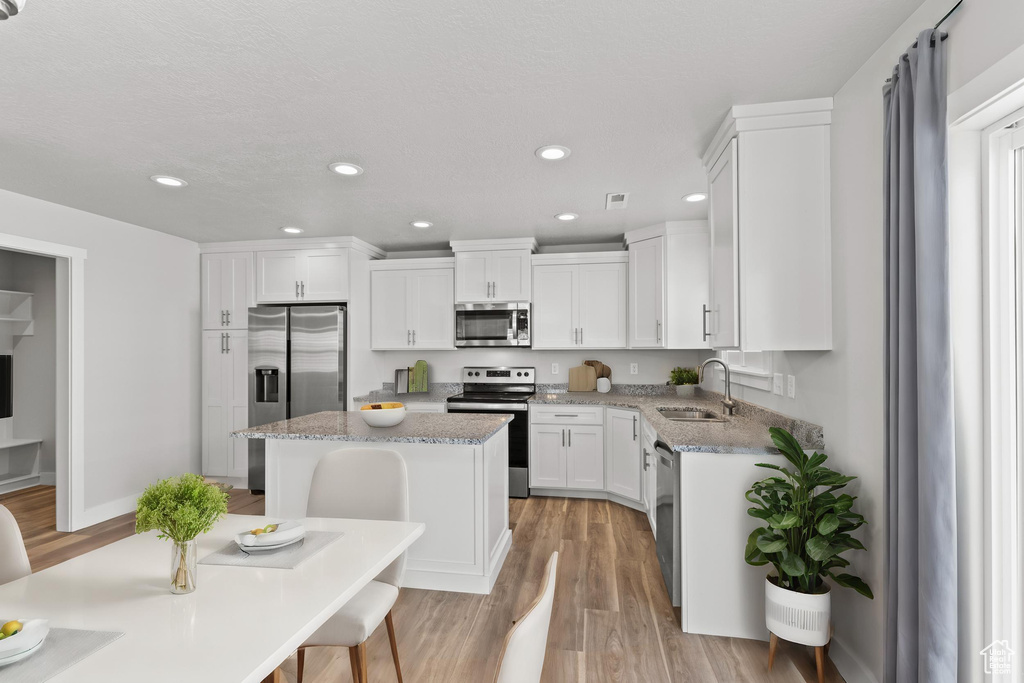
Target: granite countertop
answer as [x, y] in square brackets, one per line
[744, 432]
[438, 393]
[430, 428]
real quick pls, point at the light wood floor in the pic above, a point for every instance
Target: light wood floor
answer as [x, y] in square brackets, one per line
[612, 619]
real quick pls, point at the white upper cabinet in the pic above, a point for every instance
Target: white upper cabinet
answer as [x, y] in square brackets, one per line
[771, 262]
[412, 304]
[668, 285]
[226, 290]
[579, 301]
[622, 443]
[493, 270]
[302, 275]
[647, 294]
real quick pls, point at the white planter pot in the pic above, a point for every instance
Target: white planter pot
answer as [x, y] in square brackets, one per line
[797, 617]
[685, 390]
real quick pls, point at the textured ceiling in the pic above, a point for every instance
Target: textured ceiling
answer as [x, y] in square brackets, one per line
[442, 101]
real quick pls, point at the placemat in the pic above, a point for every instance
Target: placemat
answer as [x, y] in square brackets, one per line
[62, 649]
[289, 557]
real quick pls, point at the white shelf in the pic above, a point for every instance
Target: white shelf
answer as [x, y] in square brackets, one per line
[13, 478]
[14, 443]
[16, 312]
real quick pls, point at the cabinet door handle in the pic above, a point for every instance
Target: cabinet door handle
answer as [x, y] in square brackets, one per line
[222, 342]
[581, 336]
[658, 323]
[229, 318]
[646, 464]
[704, 321]
[408, 337]
[227, 342]
[303, 283]
[563, 438]
[634, 428]
[570, 438]
[567, 415]
[296, 289]
[414, 337]
[222, 318]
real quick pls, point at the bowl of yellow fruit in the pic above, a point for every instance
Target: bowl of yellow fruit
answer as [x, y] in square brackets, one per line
[20, 638]
[271, 536]
[386, 414]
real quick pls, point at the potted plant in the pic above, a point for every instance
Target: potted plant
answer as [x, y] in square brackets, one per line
[807, 527]
[181, 508]
[685, 380]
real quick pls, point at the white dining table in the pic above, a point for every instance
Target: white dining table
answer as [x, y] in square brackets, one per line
[238, 625]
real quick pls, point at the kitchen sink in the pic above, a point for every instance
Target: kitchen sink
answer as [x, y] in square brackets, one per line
[690, 415]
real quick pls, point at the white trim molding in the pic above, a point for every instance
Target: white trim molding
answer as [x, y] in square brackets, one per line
[70, 364]
[353, 243]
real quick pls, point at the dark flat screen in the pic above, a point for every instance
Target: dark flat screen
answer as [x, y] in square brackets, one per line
[6, 386]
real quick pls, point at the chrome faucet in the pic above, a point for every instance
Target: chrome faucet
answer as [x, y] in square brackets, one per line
[730, 405]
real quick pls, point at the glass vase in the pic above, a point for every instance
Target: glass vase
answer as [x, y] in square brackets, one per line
[184, 558]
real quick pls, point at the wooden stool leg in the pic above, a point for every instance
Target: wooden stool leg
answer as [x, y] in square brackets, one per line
[394, 644]
[300, 664]
[357, 656]
[772, 644]
[819, 658]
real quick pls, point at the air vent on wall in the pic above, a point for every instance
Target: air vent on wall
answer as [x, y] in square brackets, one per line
[616, 200]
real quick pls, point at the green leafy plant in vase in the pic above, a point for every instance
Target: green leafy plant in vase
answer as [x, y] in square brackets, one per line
[181, 508]
[684, 379]
[807, 528]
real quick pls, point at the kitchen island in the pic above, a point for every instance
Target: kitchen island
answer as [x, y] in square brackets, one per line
[458, 485]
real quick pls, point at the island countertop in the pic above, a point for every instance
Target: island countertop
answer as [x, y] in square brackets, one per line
[427, 428]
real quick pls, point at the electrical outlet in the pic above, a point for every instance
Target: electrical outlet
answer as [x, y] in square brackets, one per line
[554, 370]
[791, 386]
[777, 384]
[634, 369]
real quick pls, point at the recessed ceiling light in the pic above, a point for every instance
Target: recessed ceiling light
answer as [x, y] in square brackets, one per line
[168, 181]
[553, 152]
[696, 197]
[345, 168]
[292, 230]
[421, 224]
[566, 216]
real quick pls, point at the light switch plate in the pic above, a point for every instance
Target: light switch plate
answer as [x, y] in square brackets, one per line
[791, 386]
[777, 384]
[634, 369]
[554, 370]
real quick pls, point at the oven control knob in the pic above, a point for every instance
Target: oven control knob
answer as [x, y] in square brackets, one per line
[527, 374]
[519, 374]
[476, 374]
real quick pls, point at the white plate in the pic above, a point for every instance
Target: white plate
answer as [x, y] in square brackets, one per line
[33, 632]
[21, 655]
[286, 533]
[264, 548]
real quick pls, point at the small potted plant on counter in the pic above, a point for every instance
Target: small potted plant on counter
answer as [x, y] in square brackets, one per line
[807, 527]
[685, 380]
[181, 508]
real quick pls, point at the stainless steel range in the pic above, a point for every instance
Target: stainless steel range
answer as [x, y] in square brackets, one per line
[503, 390]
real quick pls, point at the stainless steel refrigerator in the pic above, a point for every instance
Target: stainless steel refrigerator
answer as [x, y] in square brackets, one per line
[296, 368]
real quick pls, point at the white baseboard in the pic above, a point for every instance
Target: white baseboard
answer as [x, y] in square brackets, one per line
[851, 667]
[105, 511]
[47, 478]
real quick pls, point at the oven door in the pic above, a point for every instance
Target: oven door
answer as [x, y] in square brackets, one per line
[492, 325]
[518, 441]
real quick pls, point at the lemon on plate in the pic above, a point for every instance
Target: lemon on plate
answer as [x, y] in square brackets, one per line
[10, 628]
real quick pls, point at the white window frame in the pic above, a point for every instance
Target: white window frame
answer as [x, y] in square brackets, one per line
[748, 368]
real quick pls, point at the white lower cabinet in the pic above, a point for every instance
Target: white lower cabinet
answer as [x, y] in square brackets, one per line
[622, 436]
[547, 456]
[225, 402]
[584, 457]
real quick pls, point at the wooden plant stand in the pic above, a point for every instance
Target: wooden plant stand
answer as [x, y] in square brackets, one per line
[820, 652]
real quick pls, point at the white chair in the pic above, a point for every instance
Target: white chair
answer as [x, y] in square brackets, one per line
[13, 557]
[522, 656]
[361, 483]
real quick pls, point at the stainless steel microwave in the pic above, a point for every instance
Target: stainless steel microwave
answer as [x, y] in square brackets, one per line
[494, 324]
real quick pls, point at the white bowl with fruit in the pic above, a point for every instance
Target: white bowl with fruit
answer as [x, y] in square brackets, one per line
[386, 414]
[21, 638]
[271, 536]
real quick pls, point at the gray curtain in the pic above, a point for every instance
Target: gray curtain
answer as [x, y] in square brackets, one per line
[921, 580]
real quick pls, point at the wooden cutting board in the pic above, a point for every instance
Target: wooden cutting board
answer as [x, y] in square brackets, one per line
[582, 378]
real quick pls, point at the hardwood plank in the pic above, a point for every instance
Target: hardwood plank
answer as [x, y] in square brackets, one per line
[602, 591]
